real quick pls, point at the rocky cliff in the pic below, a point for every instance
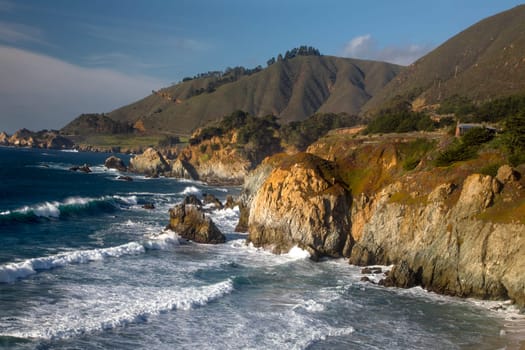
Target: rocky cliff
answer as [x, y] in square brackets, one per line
[451, 230]
[302, 202]
[444, 246]
[49, 139]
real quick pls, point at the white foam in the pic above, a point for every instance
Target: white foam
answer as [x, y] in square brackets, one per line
[12, 271]
[226, 219]
[69, 150]
[96, 308]
[191, 190]
[130, 200]
[297, 253]
[47, 209]
[310, 306]
[162, 241]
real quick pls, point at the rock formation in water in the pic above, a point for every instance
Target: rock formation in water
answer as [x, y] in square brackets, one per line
[50, 139]
[190, 222]
[302, 202]
[113, 162]
[151, 163]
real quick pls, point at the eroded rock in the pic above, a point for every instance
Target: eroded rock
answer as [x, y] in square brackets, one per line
[301, 203]
[190, 222]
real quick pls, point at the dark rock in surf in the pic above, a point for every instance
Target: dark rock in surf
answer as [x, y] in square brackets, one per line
[115, 163]
[190, 222]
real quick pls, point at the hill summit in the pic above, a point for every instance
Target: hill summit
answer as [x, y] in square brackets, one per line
[485, 61]
[292, 88]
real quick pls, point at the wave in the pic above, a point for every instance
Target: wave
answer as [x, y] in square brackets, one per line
[12, 272]
[191, 190]
[69, 207]
[95, 308]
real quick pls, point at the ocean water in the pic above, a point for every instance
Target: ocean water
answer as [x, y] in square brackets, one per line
[84, 266]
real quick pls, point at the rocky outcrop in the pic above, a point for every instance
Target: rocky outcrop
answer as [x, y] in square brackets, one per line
[4, 139]
[182, 169]
[302, 202]
[190, 222]
[252, 183]
[217, 161]
[113, 162]
[151, 162]
[49, 139]
[441, 241]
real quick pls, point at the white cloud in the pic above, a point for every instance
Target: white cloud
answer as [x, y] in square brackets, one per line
[16, 33]
[365, 47]
[38, 91]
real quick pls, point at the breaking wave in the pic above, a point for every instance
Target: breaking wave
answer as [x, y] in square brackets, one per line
[69, 207]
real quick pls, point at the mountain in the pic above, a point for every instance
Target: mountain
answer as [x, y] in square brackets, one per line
[291, 89]
[487, 60]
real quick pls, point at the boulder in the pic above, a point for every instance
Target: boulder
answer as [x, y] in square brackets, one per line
[124, 178]
[212, 200]
[507, 174]
[192, 200]
[83, 168]
[115, 163]
[302, 203]
[190, 222]
[151, 162]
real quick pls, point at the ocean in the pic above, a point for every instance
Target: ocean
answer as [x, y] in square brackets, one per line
[84, 266]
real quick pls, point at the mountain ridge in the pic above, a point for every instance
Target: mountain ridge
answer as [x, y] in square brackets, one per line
[292, 89]
[484, 61]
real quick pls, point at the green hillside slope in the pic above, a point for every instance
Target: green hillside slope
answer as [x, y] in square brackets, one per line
[485, 61]
[291, 89]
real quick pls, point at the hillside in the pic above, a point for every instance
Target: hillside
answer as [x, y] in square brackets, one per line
[485, 61]
[291, 89]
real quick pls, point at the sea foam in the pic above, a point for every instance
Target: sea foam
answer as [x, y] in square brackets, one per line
[94, 308]
[12, 272]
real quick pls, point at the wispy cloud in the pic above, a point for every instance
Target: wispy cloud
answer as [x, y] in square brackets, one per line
[366, 47]
[14, 33]
[38, 91]
[121, 32]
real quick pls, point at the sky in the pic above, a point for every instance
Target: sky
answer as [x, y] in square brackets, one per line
[62, 58]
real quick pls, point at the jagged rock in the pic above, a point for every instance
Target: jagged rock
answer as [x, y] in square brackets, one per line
[84, 168]
[211, 199]
[252, 183]
[183, 170]
[371, 270]
[150, 162]
[507, 174]
[301, 203]
[58, 142]
[477, 194]
[124, 178]
[115, 163]
[191, 223]
[230, 202]
[444, 247]
[192, 200]
[4, 138]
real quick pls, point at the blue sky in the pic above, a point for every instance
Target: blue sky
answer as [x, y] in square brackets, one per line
[60, 58]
